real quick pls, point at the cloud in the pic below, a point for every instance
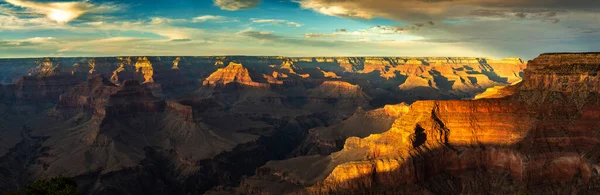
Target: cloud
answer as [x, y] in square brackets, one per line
[206, 18]
[199, 19]
[355, 47]
[40, 39]
[10, 44]
[275, 22]
[63, 12]
[432, 10]
[320, 35]
[385, 29]
[181, 40]
[497, 27]
[397, 32]
[34, 41]
[161, 20]
[496, 14]
[270, 38]
[162, 28]
[294, 24]
[234, 5]
[333, 8]
[111, 44]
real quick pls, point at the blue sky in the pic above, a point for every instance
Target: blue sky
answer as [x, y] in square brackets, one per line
[485, 28]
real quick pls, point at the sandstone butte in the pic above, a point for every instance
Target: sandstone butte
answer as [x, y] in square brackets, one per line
[541, 136]
[234, 72]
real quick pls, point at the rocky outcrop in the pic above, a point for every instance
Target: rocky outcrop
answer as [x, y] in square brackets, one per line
[44, 87]
[272, 79]
[510, 69]
[176, 63]
[337, 89]
[568, 73]
[92, 64]
[328, 74]
[416, 82]
[123, 121]
[497, 92]
[144, 67]
[180, 110]
[326, 140]
[288, 67]
[43, 65]
[234, 72]
[338, 95]
[92, 95]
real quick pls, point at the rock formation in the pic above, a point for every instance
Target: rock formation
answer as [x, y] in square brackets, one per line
[328, 74]
[336, 95]
[540, 139]
[124, 62]
[272, 79]
[144, 67]
[234, 72]
[326, 140]
[122, 122]
[337, 89]
[92, 64]
[288, 67]
[176, 63]
[44, 88]
[181, 125]
[43, 65]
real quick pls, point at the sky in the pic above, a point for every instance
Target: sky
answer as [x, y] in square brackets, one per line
[445, 28]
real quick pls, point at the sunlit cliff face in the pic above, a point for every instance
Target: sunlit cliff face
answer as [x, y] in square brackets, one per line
[450, 137]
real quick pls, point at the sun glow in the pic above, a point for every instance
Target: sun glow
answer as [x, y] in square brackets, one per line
[61, 16]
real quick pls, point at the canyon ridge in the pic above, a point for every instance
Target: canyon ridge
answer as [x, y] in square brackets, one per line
[317, 125]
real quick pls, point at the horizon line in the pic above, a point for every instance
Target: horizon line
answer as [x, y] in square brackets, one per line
[273, 56]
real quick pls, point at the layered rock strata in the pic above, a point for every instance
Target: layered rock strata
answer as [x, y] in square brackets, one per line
[533, 140]
[326, 140]
[234, 72]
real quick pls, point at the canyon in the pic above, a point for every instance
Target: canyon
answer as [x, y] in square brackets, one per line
[237, 124]
[537, 136]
